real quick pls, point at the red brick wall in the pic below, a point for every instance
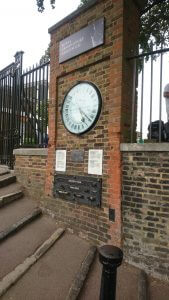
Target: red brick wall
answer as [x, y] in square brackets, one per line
[104, 66]
[30, 171]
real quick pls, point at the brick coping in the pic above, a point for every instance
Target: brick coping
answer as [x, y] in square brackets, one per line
[148, 147]
[31, 152]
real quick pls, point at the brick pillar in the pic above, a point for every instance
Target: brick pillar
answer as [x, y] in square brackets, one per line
[107, 67]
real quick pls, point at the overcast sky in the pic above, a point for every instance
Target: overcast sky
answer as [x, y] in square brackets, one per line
[22, 27]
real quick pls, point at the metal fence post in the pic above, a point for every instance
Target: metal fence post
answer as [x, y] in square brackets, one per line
[111, 258]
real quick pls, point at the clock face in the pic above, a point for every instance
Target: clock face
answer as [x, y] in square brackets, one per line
[81, 107]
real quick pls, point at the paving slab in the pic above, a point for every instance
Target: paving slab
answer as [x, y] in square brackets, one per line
[15, 249]
[158, 290]
[127, 284]
[51, 277]
[13, 212]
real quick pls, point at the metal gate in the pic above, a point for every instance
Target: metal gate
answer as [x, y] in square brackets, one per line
[23, 108]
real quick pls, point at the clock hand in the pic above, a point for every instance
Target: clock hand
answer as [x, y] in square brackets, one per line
[83, 120]
[82, 112]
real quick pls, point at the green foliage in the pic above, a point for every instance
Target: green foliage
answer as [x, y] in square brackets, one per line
[83, 2]
[46, 56]
[41, 7]
[155, 25]
[42, 112]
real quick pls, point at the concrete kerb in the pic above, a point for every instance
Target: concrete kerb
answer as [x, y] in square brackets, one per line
[142, 286]
[21, 269]
[22, 222]
[80, 277]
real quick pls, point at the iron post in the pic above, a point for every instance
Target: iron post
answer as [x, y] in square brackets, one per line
[111, 258]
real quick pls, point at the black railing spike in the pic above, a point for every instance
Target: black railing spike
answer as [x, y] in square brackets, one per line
[149, 53]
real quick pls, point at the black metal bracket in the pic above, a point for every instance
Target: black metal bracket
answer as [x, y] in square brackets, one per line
[112, 214]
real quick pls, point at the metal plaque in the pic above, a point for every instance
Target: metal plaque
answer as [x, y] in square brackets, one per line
[79, 189]
[87, 38]
[77, 156]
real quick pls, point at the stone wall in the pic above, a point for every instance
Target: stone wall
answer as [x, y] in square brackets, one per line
[30, 169]
[145, 206]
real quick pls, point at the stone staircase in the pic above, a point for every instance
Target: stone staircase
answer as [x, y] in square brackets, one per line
[37, 258]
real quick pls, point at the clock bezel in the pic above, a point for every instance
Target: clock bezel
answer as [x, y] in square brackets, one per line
[98, 111]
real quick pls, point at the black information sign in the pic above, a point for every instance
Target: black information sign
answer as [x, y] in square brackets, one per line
[79, 189]
[82, 41]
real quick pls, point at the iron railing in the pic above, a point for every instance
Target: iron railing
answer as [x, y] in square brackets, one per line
[34, 107]
[9, 105]
[24, 100]
[149, 79]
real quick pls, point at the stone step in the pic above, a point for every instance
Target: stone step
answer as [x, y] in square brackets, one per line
[4, 172]
[20, 224]
[14, 250]
[12, 188]
[7, 180]
[6, 199]
[52, 276]
[5, 167]
[11, 214]
[20, 270]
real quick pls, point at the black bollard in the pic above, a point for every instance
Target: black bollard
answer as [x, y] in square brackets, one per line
[111, 258]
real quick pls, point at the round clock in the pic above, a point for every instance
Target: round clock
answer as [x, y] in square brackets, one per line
[81, 107]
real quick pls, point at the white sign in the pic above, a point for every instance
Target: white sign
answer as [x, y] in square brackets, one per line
[60, 160]
[95, 162]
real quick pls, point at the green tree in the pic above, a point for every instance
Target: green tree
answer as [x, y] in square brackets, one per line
[83, 2]
[154, 18]
[46, 56]
[41, 7]
[154, 25]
